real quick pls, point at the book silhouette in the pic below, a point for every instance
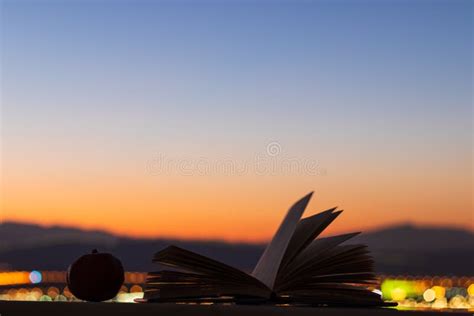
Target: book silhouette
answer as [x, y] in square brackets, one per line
[295, 268]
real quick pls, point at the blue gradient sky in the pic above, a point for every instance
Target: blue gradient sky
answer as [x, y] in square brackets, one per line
[378, 92]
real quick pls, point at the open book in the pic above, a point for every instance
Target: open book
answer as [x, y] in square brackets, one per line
[295, 268]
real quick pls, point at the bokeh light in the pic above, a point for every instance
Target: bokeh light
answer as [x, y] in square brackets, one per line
[136, 289]
[36, 293]
[15, 277]
[45, 298]
[67, 293]
[397, 289]
[440, 292]
[429, 295]
[470, 289]
[35, 277]
[412, 292]
[60, 298]
[440, 303]
[398, 294]
[53, 292]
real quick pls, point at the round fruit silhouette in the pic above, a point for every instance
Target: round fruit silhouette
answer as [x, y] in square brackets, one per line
[95, 277]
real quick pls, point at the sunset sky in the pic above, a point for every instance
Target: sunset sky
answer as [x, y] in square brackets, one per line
[209, 119]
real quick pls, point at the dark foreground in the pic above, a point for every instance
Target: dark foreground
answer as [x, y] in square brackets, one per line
[11, 308]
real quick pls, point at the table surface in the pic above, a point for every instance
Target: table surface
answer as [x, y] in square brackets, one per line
[13, 308]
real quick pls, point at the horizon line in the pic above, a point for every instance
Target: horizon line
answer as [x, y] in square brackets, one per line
[223, 239]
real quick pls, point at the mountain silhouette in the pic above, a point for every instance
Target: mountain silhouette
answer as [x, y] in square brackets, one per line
[407, 249]
[402, 249]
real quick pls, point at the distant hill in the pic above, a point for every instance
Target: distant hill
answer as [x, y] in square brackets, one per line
[28, 246]
[403, 249]
[408, 249]
[410, 237]
[20, 235]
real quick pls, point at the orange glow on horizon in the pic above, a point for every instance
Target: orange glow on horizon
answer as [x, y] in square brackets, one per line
[204, 215]
[245, 208]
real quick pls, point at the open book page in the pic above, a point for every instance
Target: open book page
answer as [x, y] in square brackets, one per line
[339, 278]
[267, 267]
[318, 251]
[312, 254]
[200, 276]
[306, 231]
[174, 286]
[346, 264]
[342, 265]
